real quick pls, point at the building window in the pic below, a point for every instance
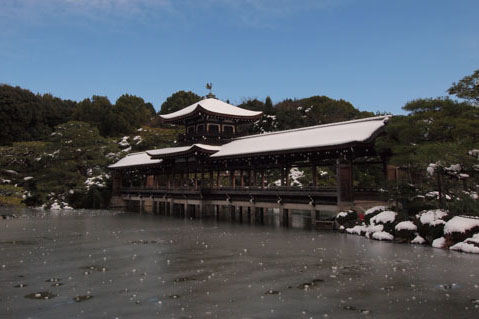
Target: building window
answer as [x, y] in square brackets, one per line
[213, 128]
[200, 128]
[191, 130]
[228, 129]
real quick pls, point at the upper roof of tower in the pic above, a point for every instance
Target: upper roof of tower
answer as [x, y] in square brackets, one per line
[214, 108]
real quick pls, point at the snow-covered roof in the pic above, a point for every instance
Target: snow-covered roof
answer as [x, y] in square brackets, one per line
[135, 159]
[211, 106]
[333, 134]
[182, 149]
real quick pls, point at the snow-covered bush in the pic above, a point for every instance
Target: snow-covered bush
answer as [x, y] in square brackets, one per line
[371, 212]
[431, 223]
[459, 228]
[347, 218]
[405, 231]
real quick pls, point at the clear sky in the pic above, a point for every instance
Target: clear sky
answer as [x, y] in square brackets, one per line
[377, 54]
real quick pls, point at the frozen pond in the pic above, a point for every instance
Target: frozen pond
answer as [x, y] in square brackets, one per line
[96, 264]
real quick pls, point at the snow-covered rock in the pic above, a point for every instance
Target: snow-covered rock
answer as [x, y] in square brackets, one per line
[342, 214]
[432, 217]
[55, 206]
[376, 209]
[418, 240]
[459, 224]
[406, 225]
[387, 216]
[382, 235]
[364, 229]
[465, 247]
[439, 242]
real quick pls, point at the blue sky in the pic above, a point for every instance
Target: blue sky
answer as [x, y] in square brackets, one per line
[377, 54]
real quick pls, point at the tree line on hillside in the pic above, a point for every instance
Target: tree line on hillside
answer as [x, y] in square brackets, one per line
[25, 116]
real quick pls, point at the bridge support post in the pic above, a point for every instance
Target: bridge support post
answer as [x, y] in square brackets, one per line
[261, 215]
[313, 216]
[283, 216]
[217, 212]
[232, 210]
[240, 214]
[172, 207]
[252, 215]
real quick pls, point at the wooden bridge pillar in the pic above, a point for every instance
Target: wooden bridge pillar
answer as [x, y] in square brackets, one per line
[344, 176]
[232, 178]
[313, 216]
[283, 216]
[261, 215]
[314, 170]
[252, 215]
[172, 207]
[240, 213]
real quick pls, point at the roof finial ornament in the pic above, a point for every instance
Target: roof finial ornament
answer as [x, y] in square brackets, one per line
[209, 86]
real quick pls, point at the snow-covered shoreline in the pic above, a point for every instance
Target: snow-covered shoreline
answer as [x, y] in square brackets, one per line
[437, 228]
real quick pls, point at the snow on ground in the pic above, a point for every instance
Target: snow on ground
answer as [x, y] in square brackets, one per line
[124, 141]
[99, 181]
[418, 240]
[384, 217]
[407, 225]
[460, 224]
[28, 178]
[138, 139]
[431, 169]
[432, 217]
[435, 195]
[439, 242]
[375, 210]
[382, 235]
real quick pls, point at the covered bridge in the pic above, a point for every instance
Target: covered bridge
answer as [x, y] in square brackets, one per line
[219, 165]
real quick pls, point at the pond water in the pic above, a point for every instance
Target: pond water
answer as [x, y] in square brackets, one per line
[107, 264]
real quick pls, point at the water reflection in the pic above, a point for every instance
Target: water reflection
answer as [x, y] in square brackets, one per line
[156, 266]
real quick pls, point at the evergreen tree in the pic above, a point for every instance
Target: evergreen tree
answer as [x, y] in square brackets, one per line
[178, 101]
[467, 88]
